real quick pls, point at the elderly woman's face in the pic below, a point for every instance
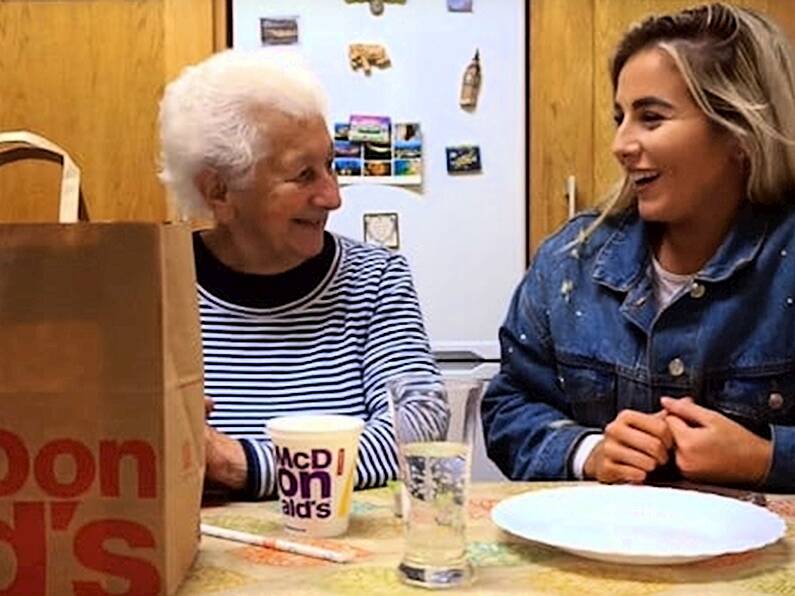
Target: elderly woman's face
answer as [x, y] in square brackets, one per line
[283, 212]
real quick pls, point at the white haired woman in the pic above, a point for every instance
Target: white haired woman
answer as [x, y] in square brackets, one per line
[294, 319]
[658, 334]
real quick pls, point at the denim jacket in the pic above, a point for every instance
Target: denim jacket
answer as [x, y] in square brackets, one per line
[584, 339]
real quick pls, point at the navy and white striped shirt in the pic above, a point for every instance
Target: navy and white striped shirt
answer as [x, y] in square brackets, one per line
[322, 338]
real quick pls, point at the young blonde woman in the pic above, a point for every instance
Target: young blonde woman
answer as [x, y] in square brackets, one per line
[659, 333]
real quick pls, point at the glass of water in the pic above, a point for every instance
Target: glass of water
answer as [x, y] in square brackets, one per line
[435, 423]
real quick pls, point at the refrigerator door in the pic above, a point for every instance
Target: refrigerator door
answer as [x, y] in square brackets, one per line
[483, 469]
[464, 235]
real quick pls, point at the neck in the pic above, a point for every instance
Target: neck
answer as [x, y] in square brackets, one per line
[685, 247]
[240, 255]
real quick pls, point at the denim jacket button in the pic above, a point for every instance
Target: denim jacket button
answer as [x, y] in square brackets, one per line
[775, 401]
[697, 290]
[676, 367]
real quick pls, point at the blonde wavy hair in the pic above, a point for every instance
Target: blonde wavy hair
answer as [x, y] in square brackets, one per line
[740, 69]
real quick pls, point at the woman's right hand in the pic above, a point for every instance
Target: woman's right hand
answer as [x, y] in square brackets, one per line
[633, 446]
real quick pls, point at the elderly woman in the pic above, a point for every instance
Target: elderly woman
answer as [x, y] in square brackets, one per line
[658, 333]
[294, 319]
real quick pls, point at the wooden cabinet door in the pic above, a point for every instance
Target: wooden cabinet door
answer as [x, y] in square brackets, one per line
[88, 75]
[561, 109]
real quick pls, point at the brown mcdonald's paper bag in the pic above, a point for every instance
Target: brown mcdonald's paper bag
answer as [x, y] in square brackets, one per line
[101, 409]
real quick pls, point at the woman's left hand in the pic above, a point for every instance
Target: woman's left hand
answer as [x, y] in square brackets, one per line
[711, 448]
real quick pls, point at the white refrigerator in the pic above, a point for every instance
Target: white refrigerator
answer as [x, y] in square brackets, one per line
[464, 234]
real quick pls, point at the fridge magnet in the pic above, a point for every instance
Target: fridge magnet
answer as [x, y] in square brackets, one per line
[408, 141]
[408, 167]
[463, 159]
[377, 6]
[282, 31]
[345, 166]
[366, 55]
[470, 84]
[397, 161]
[382, 229]
[347, 154]
[378, 168]
[347, 149]
[375, 129]
[459, 5]
[377, 151]
[341, 131]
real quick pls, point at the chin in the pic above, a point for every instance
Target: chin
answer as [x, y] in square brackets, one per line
[309, 250]
[652, 211]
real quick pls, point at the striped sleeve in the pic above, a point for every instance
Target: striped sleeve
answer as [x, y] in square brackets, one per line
[396, 344]
[261, 469]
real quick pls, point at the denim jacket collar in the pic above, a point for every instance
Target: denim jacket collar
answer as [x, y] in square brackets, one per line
[624, 257]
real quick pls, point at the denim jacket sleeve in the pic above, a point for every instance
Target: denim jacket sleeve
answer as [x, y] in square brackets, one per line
[527, 422]
[782, 470]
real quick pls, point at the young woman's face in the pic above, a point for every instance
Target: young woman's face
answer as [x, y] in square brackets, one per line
[682, 167]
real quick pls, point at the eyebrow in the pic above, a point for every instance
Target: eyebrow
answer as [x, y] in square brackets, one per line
[297, 158]
[647, 102]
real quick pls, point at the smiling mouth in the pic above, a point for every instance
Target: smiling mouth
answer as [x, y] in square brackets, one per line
[311, 223]
[640, 180]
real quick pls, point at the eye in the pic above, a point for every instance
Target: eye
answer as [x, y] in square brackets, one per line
[651, 119]
[330, 164]
[306, 175]
[618, 117]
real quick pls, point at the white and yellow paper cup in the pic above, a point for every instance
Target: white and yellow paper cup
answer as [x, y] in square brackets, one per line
[315, 471]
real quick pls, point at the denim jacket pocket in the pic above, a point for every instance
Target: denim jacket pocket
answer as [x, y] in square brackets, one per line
[591, 394]
[754, 401]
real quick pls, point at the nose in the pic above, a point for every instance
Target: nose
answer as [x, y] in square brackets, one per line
[625, 147]
[328, 192]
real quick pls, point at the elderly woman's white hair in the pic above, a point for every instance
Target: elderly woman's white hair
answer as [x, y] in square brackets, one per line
[211, 116]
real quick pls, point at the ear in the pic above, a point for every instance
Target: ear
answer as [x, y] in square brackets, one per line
[213, 190]
[738, 152]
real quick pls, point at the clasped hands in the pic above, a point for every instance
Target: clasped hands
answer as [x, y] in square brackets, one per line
[706, 446]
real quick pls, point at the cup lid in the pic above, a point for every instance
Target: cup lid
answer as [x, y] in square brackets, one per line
[315, 423]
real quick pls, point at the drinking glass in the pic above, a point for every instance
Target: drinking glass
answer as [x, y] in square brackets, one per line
[435, 421]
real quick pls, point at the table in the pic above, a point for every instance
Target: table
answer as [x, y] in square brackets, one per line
[504, 564]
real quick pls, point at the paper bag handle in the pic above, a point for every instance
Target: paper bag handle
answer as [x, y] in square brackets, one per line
[71, 205]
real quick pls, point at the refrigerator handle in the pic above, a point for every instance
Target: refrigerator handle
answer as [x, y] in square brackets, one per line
[571, 195]
[457, 356]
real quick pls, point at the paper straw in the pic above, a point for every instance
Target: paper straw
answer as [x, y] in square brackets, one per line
[289, 546]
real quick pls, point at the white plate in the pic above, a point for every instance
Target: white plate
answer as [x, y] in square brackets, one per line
[641, 525]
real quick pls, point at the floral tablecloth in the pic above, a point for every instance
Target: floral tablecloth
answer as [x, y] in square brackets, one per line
[504, 564]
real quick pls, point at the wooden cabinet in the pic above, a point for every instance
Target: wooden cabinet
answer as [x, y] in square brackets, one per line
[571, 99]
[88, 74]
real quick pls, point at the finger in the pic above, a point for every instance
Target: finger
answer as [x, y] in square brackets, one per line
[687, 410]
[640, 440]
[614, 473]
[652, 424]
[622, 454]
[666, 437]
[679, 428]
